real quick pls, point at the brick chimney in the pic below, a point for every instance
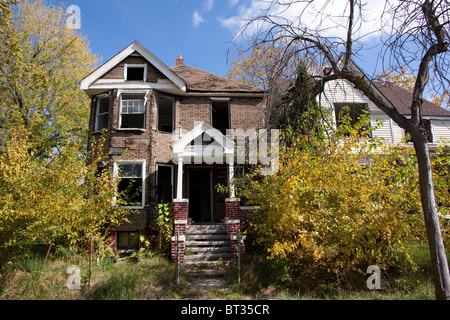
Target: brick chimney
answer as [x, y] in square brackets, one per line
[180, 60]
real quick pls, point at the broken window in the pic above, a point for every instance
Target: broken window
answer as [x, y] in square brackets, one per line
[164, 184]
[132, 111]
[220, 114]
[127, 240]
[131, 185]
[136, 72]
[102, 113]
[165, 114]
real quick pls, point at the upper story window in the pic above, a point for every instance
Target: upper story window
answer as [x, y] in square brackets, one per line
[166, 106]
[136, 72]
[220, 114]
[132, 111]
[102, 113]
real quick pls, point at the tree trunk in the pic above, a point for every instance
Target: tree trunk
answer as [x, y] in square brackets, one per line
[429, 206]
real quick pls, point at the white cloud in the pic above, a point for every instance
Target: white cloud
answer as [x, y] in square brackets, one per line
[209, 5]
[232, 3]
[197, 18]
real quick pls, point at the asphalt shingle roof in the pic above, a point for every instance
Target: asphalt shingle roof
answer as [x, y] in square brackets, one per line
[201, 81]
[402, 99]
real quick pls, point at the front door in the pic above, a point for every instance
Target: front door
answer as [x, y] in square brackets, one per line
[200, 195]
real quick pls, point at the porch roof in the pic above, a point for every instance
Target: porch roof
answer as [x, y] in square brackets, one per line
[183, 147]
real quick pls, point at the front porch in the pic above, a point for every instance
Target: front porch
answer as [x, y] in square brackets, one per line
[200, 168]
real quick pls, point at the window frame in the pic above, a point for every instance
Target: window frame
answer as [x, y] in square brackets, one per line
[133, 92]
[365, 107]
[172, 181]
[135, 66]
[97, 111]
[173, 112]
[227, 100]
[129, 233]
[117, 164]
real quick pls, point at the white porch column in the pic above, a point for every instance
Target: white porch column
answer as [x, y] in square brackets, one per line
[231, 178]
[180, 178]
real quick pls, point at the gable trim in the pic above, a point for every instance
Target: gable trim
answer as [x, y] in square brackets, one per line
[134, 47]
[203, 127]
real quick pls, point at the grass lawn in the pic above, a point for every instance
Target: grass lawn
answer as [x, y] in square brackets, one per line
[153, 277]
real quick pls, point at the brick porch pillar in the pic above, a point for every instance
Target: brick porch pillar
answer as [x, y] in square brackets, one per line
[180, 218]
[233, 220]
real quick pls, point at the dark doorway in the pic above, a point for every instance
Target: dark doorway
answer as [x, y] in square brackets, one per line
[200, 195]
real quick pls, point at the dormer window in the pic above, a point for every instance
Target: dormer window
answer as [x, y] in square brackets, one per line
[136, 72]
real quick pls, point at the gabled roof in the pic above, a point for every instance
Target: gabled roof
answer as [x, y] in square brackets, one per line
[402, 99]
[200, 81]
[132, 48]
[185, 79]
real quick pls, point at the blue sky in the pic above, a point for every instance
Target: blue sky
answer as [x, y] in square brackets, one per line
[196, 29]
[199, 30]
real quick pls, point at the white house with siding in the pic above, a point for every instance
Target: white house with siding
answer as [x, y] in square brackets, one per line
[341, 93]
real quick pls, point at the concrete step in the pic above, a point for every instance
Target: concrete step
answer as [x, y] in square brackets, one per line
[207, 244]
[208, 257]
[198, 249]
[210, 237]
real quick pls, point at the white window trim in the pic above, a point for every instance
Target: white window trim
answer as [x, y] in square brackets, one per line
[120, 93]
[97, 110]
[173, 112]
[125, 71]
[116, 172]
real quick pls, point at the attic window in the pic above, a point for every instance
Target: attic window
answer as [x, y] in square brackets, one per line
[135, 72]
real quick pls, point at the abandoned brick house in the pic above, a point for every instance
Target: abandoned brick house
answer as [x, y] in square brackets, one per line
[150, 115]
[160, 122]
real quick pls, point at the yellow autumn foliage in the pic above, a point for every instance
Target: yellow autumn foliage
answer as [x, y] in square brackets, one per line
[62, 200]
[342, 205]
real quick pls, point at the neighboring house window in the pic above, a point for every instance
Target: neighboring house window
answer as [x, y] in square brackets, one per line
[164, 183]
[136, 72]
[132, 111]
[165, 114]
[127, 240]
[220, 114]
[132, 182]
[355, 111]
[102, 113]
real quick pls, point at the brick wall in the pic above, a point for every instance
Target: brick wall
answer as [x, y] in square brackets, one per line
[155, 147]
[180, 215]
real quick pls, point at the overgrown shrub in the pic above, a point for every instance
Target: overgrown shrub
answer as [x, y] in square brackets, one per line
[338, 205]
